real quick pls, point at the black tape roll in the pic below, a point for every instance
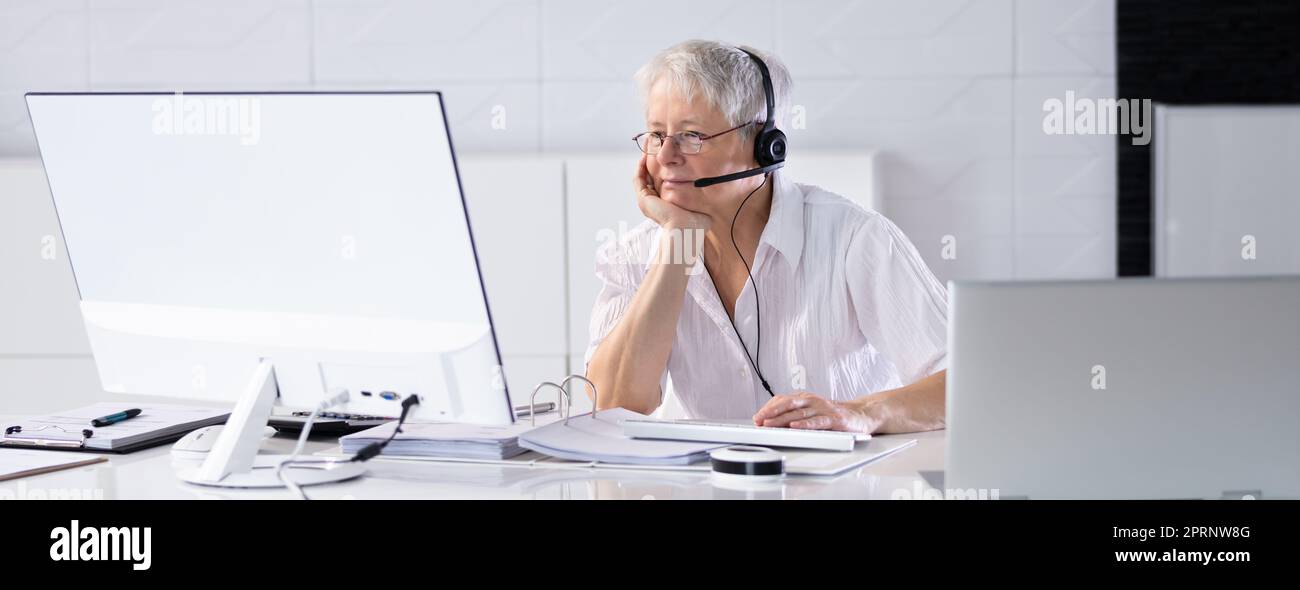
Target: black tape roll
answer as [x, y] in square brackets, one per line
[747, 460]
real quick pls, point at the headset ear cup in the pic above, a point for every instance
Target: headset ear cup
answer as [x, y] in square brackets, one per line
[777, 148]
[769, 147]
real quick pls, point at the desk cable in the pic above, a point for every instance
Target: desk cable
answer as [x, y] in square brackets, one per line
[758, 312]
[366, 453]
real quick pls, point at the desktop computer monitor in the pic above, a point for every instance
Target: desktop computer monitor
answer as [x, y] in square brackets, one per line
[249, 246]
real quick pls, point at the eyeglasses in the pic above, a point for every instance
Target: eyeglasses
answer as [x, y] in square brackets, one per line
[688, 142]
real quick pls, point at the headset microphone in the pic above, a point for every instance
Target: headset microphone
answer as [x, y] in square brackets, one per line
[712, 180]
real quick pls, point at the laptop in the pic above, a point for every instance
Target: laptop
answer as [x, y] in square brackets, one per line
[1129, 388]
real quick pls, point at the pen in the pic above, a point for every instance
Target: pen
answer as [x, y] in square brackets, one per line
[115, 418]
[542, 408]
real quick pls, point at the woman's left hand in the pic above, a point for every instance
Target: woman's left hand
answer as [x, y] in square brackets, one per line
[813, 412]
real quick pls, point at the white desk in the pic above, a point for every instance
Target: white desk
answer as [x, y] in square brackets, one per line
[149, 475]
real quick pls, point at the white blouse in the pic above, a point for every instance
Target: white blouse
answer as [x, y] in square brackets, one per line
[848, 308]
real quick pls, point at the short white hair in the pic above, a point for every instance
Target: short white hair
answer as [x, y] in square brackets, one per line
[724, 76]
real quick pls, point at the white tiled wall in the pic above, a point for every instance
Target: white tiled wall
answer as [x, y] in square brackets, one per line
[1064, 185]
[949, 93]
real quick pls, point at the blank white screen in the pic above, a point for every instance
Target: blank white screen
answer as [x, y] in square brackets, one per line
[347, 204]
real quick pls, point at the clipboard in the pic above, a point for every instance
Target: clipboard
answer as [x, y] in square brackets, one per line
[157, 424]
[52, 444]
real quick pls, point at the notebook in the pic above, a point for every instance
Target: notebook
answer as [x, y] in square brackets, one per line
[72, 431]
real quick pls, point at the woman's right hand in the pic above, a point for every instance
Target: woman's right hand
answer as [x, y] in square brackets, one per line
[660, 211]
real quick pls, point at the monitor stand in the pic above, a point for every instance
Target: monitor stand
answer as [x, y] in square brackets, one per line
[233, 461]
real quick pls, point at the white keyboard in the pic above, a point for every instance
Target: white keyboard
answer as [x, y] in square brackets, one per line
[741, 433]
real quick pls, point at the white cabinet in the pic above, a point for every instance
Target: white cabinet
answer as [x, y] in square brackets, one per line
[38, 304]
[601, 207]
[516, 209]
[1225, 193]
[852, 175]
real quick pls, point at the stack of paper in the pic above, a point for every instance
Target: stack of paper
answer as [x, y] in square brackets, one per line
[156, 423]
[469, 441]
[600, 438]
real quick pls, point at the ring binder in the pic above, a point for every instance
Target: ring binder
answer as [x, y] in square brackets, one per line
[560, 405]
[565, 403]
[594, 395]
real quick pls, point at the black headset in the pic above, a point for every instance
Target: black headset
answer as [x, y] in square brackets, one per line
[769, 152]
[769, 145]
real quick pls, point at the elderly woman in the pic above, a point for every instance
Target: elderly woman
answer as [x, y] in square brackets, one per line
[812, 312]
